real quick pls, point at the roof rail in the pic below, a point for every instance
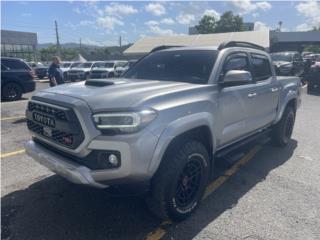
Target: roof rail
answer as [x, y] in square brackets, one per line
[240, 44]
[163, 47]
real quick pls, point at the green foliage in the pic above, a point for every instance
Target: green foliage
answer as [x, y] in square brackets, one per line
[312, 48]
[88, 52]
[207, 25]
[227, 23]
[316, 29]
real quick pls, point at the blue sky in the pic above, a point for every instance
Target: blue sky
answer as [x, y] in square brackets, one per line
[102, 23]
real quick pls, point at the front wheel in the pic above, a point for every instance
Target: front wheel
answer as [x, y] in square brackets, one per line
[282, 131]
[11, 92]
[180, 181]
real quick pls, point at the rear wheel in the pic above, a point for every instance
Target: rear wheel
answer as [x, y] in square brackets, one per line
[11, 92]
[282, 131]
[179, 184]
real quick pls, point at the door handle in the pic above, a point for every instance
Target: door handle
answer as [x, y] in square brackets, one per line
[251, 95]
[275, 89]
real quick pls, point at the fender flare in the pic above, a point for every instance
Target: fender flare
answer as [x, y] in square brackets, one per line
[176, 128]
[292, 95]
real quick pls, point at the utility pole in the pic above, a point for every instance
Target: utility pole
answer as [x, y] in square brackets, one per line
[80, 46]
[280, 25]
[120, 41]
[57, 35]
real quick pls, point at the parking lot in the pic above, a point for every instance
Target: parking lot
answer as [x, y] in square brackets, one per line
[268, 193]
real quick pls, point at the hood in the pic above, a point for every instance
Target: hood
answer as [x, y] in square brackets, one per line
[280, 63]
[80, 69]
[120, 93]
[102, 69]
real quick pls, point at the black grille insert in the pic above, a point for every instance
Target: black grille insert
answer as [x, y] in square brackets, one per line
[57, 113]
[67, 130]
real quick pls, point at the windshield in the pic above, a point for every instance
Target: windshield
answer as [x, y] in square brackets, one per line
[66, 65]
[287, 57]
[103, 65]
[74, 65]
[191, 66]
[85, 65]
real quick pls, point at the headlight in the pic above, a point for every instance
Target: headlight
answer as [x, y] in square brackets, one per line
[287, 66]
[125, 122]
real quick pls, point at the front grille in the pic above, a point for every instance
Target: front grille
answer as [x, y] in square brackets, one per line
[66, 132]
[75, 72]
[56, 136]
[59, 114]
[98, 72]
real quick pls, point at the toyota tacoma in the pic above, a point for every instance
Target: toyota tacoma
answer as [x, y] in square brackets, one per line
[163, 122]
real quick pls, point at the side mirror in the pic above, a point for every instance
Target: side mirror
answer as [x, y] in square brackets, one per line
[237, 77]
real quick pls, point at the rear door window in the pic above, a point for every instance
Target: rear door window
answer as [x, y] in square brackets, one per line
[260, 67]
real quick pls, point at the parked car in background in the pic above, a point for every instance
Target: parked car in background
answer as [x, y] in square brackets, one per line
[288, 63]
[17, 77]
[106, 69]
[313, 78]
[80, 71]
[316, 60]
[66, 66]
[120, 70]
[312, 57]
[40, 70]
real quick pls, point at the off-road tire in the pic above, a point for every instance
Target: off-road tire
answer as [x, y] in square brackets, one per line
[164, 197]
[282, 131]
[11, 92]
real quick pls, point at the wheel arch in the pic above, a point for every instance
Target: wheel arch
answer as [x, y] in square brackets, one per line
[194, 128]
[15, 82]
[291, 101]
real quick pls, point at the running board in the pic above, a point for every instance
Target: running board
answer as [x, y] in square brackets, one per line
[263, 135]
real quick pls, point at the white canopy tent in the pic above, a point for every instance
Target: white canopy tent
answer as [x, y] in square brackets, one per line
[145, 45]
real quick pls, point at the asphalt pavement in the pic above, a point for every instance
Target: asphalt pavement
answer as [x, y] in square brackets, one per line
[269, 193]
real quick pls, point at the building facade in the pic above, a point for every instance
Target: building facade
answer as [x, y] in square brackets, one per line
[19, 44]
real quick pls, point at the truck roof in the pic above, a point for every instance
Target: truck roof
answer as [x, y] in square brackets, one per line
[224, 45]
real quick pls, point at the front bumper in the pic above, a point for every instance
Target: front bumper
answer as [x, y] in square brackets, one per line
[75, 76]
[136, 153]
[73, 172]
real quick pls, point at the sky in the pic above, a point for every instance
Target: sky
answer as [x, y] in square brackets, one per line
[102, 22]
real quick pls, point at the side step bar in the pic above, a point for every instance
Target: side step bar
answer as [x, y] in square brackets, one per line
[263, 135]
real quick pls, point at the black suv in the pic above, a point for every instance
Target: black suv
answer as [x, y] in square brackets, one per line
[40, 70]
[16, 78]
[288, 63]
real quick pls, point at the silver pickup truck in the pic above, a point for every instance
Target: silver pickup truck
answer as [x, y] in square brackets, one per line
[162, 124]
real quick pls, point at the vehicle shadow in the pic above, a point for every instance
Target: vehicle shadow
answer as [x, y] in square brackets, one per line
[53, 208]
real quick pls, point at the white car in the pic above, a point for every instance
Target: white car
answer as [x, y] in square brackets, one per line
[81, 71]
[106, 69]
[66, 66]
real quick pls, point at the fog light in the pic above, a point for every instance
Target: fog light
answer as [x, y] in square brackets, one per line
[113, 160]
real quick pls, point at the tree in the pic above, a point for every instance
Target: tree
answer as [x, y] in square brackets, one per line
[312, 48]
[229, 23]
[206, 25]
